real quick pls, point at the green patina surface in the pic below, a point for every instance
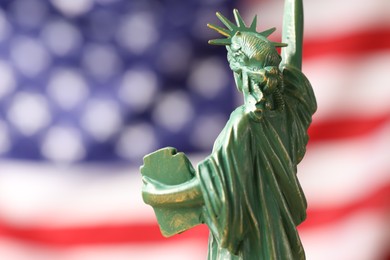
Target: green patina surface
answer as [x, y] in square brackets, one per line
[246, 190]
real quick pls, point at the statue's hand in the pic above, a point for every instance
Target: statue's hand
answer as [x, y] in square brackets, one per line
[262, 82]
[264, 86]
[272, 78]
[267, 79]
[156, 193]
[152, 191]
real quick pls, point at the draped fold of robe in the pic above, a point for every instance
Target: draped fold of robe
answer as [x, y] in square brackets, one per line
[253, 199]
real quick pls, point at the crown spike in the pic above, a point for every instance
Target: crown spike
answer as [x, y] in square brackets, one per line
[231, 26]
[268, 32]
[253, 24]
[225, 41]
[239, 21]
[221, 30]
[279, 44]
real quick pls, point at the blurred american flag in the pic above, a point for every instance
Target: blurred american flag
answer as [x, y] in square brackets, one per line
[89, 87]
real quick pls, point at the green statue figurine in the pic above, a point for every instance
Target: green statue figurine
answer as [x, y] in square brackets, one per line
[246, 190]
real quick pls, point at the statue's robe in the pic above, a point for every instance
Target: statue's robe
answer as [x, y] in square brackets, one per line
[253, 199]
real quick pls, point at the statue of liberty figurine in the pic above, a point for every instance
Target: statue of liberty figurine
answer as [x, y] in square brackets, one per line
[246, 191]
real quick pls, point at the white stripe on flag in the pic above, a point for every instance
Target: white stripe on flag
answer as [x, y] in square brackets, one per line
[189, 250]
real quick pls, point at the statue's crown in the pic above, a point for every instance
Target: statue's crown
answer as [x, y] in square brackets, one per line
[240, 26]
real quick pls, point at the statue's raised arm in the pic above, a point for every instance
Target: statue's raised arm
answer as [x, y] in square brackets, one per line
[292, 33]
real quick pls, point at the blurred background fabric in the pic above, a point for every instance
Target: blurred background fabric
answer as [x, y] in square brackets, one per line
[88, 87]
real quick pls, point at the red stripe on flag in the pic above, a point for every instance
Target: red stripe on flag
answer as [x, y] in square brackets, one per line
[377, 201]
[343, 128]
[150, 233]
[103, 234]
[354, 43]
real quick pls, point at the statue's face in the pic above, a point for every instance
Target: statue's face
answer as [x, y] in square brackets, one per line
[244, 52]
[250, 51]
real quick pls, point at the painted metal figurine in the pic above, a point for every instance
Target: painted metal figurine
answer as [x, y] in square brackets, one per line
[246, 191]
